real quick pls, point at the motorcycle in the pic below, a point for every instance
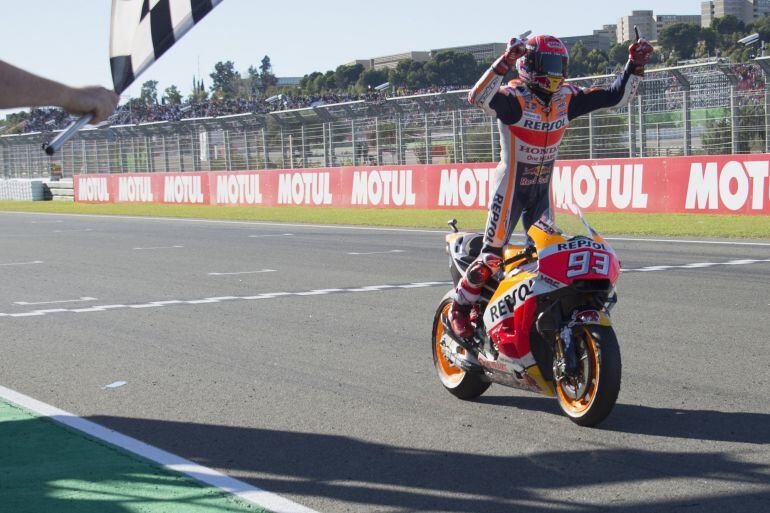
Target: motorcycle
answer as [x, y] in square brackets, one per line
[542, 322]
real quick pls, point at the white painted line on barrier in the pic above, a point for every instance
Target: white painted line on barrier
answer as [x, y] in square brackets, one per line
[158, 247]
[244, 272]
[26, 303]
[271, 235]
[223, 299]
[262, 498]
[697, 265]
[380, 252]
[23, 263]
[356, 228]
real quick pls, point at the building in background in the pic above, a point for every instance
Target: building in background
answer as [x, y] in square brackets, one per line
[645, 20]
[664, 20]
[366, 63]
[391, 61]
[745, 10]
[288, 81]
[486, 52]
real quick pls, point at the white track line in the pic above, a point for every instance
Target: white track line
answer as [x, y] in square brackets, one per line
[348, 227]
[25, 303]
[244, 272]
[271, 235]
[158, 247]
[380, 252]
[223, 299]
[205, 475]
[696, 265]
[23, 263]
[689, 241]
[74, 230]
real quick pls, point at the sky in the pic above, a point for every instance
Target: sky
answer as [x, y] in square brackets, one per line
[68, 40]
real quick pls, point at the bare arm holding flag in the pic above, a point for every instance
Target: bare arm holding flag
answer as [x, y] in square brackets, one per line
[140, 32]
[19, 88]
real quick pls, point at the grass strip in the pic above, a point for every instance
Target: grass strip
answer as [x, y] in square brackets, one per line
[665, 225]
[46, 467]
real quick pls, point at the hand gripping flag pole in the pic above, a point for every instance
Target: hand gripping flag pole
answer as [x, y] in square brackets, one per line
[140, 32]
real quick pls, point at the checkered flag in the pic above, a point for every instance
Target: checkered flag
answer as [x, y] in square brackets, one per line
[142, 30]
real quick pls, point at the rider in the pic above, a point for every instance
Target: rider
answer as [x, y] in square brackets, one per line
[532, 112]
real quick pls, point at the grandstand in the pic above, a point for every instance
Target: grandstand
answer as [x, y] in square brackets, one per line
[708, 108]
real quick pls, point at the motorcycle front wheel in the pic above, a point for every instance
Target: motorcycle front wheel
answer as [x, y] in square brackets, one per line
[588, 397]
[460, 383]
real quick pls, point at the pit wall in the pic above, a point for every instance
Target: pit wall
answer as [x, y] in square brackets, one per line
[728, 184]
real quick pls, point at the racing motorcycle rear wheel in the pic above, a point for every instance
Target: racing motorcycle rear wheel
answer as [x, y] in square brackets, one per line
[588, 396]
[460, 383]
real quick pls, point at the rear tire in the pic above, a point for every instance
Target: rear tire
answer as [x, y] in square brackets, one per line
[599, 345]
[462, 384]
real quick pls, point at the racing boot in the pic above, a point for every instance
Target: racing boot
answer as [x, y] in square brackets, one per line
[468, 291]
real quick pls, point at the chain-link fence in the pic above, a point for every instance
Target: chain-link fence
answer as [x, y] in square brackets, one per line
[712, 108]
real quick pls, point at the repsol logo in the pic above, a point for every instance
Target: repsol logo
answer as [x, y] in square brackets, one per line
[512, 299]
[544, 126]
[580, 243]
[495, 211]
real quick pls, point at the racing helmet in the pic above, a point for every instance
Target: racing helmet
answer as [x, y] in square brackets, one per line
[545, 65]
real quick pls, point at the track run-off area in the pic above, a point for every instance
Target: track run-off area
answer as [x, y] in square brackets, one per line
[295, 360]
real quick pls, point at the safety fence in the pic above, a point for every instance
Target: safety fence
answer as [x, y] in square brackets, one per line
[710, 108]
[710, 184]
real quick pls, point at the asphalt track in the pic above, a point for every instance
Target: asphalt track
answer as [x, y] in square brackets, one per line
[330, 399]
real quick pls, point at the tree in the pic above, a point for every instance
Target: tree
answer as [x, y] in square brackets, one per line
[371, 78]
[619, 53]
[266, 77]
[451, 68]
[577, 60]
[224, 79]
[681, 38]
[408, 73]
[172, 95]
[596, 62]
[149, 92]
[346, 75]
[198, 93]
[727, 25]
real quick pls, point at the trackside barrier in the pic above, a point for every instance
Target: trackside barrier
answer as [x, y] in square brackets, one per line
[727, 184]
[63, 190]
[23, 190]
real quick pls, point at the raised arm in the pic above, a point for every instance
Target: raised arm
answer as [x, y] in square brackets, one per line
[621, 91]
[488, 86]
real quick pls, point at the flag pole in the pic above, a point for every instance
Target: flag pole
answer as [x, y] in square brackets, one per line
[55, 145]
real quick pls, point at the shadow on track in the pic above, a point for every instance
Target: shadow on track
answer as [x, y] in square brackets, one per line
[741, 427]
[385, 477]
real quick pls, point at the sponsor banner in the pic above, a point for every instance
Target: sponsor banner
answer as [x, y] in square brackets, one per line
[722, 184]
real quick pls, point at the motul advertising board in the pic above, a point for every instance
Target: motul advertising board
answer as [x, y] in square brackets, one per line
[725, 184]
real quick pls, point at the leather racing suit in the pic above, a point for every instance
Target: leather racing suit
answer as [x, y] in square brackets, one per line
[531, 127]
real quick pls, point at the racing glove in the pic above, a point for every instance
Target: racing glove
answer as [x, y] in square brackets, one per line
[516, 49]
[639, 55]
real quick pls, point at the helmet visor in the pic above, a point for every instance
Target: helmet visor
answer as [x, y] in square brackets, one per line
[549, 64]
